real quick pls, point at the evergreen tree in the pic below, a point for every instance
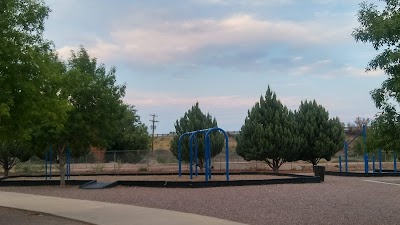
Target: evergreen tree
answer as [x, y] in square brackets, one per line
[194, 119]
[269, 133]
[321, 137]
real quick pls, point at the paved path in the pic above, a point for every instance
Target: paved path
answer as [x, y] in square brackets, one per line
[102, 213]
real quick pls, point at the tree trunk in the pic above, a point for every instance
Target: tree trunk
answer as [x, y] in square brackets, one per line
[6, 170]
[275, 168]
[201, 164]
[61, 157]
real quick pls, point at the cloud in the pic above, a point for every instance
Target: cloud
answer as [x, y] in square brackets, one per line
[359, 72]
[169, 41]
[328, 69]
[65, 52]
[351, 71]
[245, 2]
[216, 103]
[311, 68]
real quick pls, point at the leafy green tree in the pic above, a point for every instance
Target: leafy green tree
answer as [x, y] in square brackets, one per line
[379, 135]
[132, 134]
[382, 29]
[29, 71]
[30, 80]
[95, 107]
[13, 152]
[195, 119]
[269, 133]
[321, 137]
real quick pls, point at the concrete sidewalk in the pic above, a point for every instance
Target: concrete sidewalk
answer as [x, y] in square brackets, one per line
[102, 213]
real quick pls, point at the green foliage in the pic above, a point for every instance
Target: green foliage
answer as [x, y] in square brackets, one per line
[269, 133]
[321, 137]
[384, 131]
[29, 79]
[382, 29]
[374, 140]
[94, 109]
[194, 119]
[28, 71]
[13, 152]
[131, 133]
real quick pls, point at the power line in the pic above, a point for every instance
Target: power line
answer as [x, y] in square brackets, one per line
[153, 127]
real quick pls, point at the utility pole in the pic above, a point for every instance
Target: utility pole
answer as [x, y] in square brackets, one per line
[153, 127]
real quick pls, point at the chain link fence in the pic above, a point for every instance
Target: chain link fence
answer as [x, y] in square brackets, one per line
[128, 161]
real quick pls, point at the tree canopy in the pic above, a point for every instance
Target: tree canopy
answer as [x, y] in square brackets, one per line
[131, 133]
[381, 28]
[195, 119]
[28, 71]
[29, 79]
[321, 136]
[269, 133]
[13, 152]
[95, 106]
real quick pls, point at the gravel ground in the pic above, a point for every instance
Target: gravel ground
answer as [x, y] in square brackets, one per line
[17, 217]
[339, 200]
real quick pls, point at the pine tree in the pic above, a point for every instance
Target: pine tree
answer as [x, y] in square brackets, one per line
[321, 137]
[195, 119]
[268, 133]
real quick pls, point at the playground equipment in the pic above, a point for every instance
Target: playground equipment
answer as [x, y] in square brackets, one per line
[49, 160]
[207, 152]
[363, 133]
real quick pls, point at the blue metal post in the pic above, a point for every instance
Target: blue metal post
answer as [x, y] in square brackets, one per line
[67, 154]
[340, 163]
[373, 163]
[180, 153]
[45, 161]
[395, 162]
[180, 156]
[51, 159]
[227, 155]
[196, 153]
[209, 157]
[380, 160]
[346, 156]
[206, 150]
[69, 163]
[226, 148]
[192, 136]
[366, 163]
[364, 134]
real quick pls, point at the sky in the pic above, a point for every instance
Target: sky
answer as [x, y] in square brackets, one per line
[223, 54]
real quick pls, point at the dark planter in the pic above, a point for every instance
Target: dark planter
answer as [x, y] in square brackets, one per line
[320, 172]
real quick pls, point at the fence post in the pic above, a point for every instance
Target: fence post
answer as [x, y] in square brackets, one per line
[340, 163]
